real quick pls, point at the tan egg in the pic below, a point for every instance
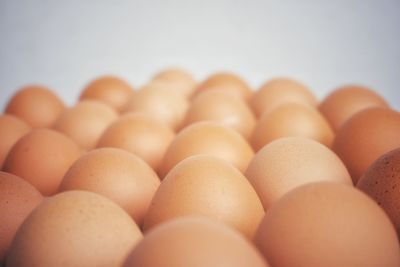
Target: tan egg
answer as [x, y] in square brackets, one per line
[194, 241]
[111, 90]
[36, 105]
[42, 157]
[365, 137]
[141, 135]
[214, 105]
[117, 174]
[169, 107]
[289, 162]
[11, 129]
[292, 119]
[327, 224]
[207, 186]
[280, 91]
[74, 228]
[17, 199]
[176, 80]
[208, 138]
[346, 101]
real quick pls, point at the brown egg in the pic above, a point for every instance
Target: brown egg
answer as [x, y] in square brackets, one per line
[327, 224]
[280, 91]
[85, 122]
[42, 157]
[194, 241]
[169, 107]
[213, 105]
[292, 119]
[141, 135]
[117, 174]
[17, 199]
[346, 101]
[208, 138]
[74, 228]
[176, 80]
[289, 162]
[11, 129]
[208, 186]
[36, 105]
[108, 89]
[381, 181]
[365, 137]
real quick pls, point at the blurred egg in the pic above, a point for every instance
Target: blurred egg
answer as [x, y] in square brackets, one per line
[42, 157]
[36, 105]
[292, 119]
[194, 241]
[366, 136]
[327, 224]
[119, 175]
[175, 80]
[208, 186]
[74, 228]
[346, 101]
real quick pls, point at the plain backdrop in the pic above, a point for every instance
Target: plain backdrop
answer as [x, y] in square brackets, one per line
[325, 44]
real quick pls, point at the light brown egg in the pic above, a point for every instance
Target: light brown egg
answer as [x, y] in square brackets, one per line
[280, 91]
[292, 119]
[366, 136]
[74, 228]
[289, 162]
[36, 105]
[194, 241]
[111, 90]
[17, 199]
[327, 224]
[117, 174]
[141, 135]
[208, 138]
[346, 101]
[175, 80]
[11, 129]
[208, 186]
[169, 107]
[213, 105]
[42, 157]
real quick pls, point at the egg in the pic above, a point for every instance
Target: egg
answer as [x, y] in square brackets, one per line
[208, 186]
[289, 162]
[194, 241]
[17, 199]
[381, 183]
[346, 101]
[208, 138]
[174, 80]
[108, 89]
[366, 136]
[37, 105]
[117, 174]
[85, 122]
[42, 157]
[327, 224]
[74, 228]
[11, 129]
[292, 119]
[280, 91]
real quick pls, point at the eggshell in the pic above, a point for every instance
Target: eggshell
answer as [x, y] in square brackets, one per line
[346, 101]
[174, 80]
[17, 199]
[119, 175]
[74, 228]
[327, 224]
[36, 105]
[193, 241]
[366, 136]
[292, 119]
[42, 157]
[289, 162]
[208, 186]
